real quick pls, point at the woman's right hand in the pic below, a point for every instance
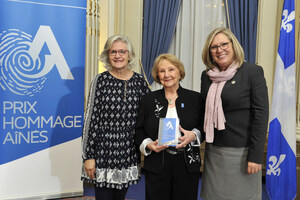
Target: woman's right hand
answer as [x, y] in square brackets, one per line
[90, 168]
[153, 146]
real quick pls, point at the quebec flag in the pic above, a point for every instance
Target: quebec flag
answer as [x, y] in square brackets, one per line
[281, 178]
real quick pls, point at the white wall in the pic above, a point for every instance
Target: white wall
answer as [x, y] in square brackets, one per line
[267, 39]
[122, 17]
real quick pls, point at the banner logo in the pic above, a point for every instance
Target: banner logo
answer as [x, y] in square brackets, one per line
[23, 66]
[169, 125]
[274, 167]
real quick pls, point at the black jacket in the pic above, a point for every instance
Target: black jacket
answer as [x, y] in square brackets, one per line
[246, 108]
[190, 110]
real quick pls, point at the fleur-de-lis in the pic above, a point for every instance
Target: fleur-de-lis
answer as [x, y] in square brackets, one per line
[286, 19]
[274, 166]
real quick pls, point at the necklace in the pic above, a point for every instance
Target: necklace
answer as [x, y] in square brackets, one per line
[170, 101]
[124, 77]
[125, 90]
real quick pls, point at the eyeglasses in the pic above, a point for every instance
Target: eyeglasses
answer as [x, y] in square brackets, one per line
[121, 52]
[222, 46]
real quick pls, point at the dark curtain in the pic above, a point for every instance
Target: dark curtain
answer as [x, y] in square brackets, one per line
[242, 15]
[160, 18]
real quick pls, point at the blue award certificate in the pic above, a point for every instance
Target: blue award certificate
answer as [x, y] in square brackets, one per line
[168, 131]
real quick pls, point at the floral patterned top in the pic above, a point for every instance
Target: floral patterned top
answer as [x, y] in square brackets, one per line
[109, 130]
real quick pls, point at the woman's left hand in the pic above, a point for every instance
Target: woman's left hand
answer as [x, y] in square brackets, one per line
[253, 167]
[188, 137]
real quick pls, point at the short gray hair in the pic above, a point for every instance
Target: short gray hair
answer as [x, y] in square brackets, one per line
[104, 57]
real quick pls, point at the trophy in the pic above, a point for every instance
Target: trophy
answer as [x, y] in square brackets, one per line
[168, 131]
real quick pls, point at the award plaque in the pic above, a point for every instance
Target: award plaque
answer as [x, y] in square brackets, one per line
[167, 132]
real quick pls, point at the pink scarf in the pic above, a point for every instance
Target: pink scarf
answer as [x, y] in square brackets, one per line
[214, 114]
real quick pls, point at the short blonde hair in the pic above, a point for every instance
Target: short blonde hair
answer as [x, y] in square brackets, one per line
[237, 48]
[172, 59]
[104, 57]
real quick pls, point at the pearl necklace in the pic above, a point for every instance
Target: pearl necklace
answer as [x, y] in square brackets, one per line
[170, 101]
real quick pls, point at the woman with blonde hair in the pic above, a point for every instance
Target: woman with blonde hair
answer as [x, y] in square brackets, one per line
[235, 122]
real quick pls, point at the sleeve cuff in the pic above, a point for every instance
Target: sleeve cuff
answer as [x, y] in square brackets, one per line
[143, 146]
[196, 142]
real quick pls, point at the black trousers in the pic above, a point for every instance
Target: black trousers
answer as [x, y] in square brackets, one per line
[174, 182]
[103, 193]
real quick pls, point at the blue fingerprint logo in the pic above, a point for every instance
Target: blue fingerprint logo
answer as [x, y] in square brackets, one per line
[22, 70]
[16, 64]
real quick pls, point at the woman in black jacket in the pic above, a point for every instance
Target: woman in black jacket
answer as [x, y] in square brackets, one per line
[171, 172]
[236, 120]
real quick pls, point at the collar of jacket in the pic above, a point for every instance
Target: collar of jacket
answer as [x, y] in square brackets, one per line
[179, 92]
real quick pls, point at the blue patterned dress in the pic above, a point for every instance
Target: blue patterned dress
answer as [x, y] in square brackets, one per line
[109, 130]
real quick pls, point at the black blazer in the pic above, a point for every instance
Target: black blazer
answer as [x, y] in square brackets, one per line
[246, 108]
[189, 106]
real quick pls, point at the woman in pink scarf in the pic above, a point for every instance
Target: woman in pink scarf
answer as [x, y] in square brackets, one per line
[236, 120]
